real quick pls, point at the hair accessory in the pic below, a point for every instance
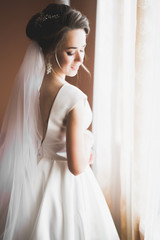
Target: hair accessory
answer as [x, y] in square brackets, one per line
[49, 67]
[44, 17]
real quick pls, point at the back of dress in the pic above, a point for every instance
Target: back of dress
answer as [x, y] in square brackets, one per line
[54, 144]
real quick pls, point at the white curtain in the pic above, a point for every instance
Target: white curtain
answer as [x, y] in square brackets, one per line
[126, 113]
[149, 59]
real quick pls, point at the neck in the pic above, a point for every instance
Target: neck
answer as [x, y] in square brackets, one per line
[55, 77]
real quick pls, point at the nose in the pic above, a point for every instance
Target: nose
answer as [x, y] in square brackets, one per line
[79, 57]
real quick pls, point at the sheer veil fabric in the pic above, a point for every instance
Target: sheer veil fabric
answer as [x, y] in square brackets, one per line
[20, 139]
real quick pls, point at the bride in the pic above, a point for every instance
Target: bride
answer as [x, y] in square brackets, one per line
[47, 188]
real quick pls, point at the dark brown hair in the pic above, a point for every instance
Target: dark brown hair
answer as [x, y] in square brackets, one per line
[48, 27]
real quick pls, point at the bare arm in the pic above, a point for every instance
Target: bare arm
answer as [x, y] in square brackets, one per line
[77, 157]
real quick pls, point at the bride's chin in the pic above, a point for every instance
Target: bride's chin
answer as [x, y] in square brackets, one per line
[72, 74]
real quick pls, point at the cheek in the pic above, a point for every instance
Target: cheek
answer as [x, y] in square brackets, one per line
[64, 60]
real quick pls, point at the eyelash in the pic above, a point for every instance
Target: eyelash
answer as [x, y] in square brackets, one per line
[71, 54]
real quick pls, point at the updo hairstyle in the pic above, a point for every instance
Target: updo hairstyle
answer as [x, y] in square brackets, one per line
[48, 27]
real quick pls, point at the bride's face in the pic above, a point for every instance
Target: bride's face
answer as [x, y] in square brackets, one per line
[71, 53]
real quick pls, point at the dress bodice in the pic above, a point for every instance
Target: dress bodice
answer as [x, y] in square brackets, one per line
[54, 144]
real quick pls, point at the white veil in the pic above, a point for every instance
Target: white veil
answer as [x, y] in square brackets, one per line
[20, 139]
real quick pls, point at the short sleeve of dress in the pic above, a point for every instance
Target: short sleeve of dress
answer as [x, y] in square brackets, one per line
[75, 96]
[72, 97]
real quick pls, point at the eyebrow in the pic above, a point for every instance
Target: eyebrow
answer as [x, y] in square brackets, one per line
[75, 47]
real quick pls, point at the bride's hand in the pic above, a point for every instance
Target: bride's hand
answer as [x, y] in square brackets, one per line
[91, 159]
[88, 136]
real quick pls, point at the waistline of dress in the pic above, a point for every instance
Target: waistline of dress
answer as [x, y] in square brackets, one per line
[60, 156]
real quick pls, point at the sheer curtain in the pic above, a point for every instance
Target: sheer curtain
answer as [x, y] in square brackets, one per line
[126, 113]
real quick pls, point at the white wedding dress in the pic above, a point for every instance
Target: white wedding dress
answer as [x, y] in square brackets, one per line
[67, 207]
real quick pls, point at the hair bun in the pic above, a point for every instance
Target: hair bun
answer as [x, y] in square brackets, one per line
[47, 28]
[32, 30]
[43, 24]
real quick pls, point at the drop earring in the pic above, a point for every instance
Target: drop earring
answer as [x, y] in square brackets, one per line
[49, 67]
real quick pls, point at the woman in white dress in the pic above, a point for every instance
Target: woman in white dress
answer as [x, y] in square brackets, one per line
[47, 188]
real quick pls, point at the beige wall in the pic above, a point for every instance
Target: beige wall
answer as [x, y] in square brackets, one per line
[13, 42]
[14, 16]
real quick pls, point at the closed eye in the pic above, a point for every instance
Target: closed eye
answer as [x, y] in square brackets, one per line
[70, 53]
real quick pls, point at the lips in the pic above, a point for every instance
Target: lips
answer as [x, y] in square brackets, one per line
[75, 68]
